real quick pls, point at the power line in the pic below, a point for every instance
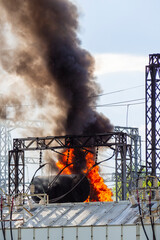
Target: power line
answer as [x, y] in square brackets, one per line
[122, 103]
[121, 90]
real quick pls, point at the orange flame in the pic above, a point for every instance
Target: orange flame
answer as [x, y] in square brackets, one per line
[66, 159]
[99, 192]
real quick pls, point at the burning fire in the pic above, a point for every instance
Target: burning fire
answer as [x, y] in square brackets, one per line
[99, 191]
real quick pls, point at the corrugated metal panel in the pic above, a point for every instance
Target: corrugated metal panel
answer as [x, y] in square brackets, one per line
[77, 214]
[114, 214]
[82, 214]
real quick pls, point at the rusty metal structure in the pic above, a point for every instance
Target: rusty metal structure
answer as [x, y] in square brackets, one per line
[153, 115]
[117, 141]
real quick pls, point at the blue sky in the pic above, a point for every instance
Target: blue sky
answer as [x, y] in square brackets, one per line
[120, 26]
[121, 35]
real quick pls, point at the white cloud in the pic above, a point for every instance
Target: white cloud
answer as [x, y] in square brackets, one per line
[110, 63]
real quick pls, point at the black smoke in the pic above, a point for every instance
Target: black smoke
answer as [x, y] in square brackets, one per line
[58, 72]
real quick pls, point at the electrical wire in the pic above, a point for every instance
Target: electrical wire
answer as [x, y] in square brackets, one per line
[35, 174]
[140, 213]
[65, 194]
[57, 152]
[107, 159]
[121, 90]
[129, 102]
[151, 220]
[11, 233]
[2, 223]
[152, 223]
[96, 164]
[120, 105]
[51, 183]
[41, 166]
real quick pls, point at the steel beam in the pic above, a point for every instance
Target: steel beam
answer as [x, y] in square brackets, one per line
[58, 142]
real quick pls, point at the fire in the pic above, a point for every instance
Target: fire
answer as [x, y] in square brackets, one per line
[66, 159]
[99, 191]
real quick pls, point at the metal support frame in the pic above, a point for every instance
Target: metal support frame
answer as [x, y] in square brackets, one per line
[135, 142]
[124, 168]
[59, 142]
[6, 126]
[135, 139]
[115, 140]
[16, 172]
[5, 146]
[153, 115]
[134, 156]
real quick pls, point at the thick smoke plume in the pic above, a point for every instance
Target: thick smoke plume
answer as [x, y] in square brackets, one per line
[58, 73]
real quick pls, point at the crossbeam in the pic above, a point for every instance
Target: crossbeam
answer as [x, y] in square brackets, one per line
[57, 142]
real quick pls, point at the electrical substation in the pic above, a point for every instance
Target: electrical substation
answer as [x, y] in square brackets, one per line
[66, 205]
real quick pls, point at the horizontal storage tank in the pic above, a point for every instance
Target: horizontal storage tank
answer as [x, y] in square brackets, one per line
[62, 188]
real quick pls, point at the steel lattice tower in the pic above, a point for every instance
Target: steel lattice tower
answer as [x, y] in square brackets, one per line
[131, 162]
[135, 139]
[153, 115]
[123, 163]
[6, 126]
[5, 146]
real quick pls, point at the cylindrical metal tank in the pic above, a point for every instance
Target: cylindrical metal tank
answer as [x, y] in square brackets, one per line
[66, 188]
